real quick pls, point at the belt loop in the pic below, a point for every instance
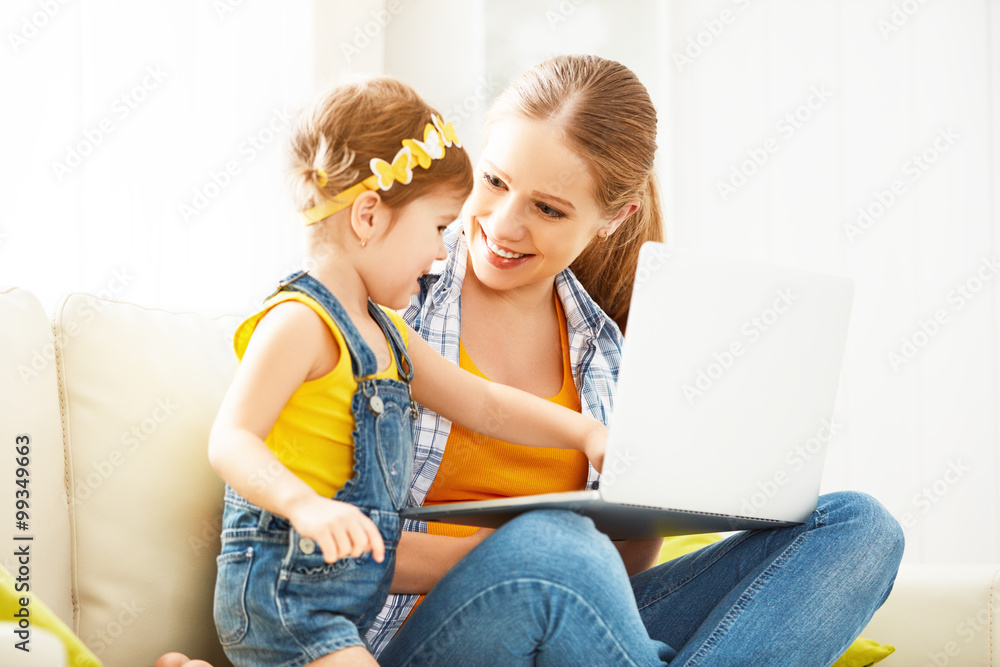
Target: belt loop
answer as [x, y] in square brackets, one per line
[265, 520]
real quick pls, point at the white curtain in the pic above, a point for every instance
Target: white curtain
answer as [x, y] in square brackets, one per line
[883, 117]
[143, 148]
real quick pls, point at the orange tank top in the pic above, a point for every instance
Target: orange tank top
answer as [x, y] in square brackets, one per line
[478, 467]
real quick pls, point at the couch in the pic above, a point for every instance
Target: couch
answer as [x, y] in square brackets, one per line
[117, 401]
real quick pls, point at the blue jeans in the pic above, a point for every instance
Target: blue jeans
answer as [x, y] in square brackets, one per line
[548, 589]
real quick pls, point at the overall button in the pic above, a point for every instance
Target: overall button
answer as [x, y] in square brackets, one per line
[376, 405]
[307, 546]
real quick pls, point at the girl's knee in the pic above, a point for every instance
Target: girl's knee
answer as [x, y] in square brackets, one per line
[353, 656]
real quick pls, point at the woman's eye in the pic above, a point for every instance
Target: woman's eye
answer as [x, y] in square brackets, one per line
[492, 180]
[550, 212]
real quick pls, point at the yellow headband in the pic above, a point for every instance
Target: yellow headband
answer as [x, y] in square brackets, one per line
[437, 136]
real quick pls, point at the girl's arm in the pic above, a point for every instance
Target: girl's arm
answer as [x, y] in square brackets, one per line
[500, 411]
[284, 352]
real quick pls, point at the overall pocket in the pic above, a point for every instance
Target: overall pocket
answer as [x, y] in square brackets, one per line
[394, 449]
[355, 588]
[230, 607]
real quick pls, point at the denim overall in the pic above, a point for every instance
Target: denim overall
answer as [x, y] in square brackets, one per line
[277, 602]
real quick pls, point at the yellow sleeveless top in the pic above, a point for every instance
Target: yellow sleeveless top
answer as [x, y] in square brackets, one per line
[478, 467]
[313, 434]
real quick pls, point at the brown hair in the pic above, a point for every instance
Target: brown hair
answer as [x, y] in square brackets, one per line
[610, 121]
[348, 125]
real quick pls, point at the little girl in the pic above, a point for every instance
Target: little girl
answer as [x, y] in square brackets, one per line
[314, 437]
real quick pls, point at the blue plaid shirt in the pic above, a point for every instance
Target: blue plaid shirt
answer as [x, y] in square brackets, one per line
[435, 313]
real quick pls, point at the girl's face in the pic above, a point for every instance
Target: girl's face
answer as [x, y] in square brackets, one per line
[409, 247]
[532, 211]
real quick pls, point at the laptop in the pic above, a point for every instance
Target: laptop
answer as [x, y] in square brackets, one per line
[723, 407]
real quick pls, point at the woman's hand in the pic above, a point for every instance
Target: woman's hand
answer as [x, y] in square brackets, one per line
[340, 529]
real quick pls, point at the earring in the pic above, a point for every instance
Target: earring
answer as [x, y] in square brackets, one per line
[604, 238]
[364, 242]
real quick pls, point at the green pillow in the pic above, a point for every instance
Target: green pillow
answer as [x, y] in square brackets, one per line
[677, 546]
[43, 617]
[862, 652]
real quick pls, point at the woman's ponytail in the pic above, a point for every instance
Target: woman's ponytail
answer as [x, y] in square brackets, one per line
[606, 269]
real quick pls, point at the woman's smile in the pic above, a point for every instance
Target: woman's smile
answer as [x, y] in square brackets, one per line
[498, 255]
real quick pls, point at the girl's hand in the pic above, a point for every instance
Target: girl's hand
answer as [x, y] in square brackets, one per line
[594, 445]
[340, 529]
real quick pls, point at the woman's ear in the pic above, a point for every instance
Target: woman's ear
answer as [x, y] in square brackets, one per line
[614, 223]
[363, 212]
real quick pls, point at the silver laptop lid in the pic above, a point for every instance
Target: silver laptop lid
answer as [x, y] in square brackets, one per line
[727, 385]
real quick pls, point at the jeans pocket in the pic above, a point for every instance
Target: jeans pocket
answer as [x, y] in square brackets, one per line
[230, 607]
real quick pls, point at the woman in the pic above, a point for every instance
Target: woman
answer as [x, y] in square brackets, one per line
[566, 180]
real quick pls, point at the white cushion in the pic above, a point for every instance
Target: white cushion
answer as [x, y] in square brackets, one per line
[940, 615]
[29, 397]
[142, 387]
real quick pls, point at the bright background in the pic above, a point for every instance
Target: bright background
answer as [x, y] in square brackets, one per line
[143, 155]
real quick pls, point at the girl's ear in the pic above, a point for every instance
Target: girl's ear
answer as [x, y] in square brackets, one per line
[614, 223]
[363, 212]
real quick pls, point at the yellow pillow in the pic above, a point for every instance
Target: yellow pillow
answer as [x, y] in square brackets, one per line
[677, 546]
[862, 652]
[40, 616]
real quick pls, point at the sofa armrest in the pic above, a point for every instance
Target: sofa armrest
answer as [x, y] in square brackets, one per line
[29, 405]
[940, 615]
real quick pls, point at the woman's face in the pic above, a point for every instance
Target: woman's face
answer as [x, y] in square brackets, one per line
[532, 211]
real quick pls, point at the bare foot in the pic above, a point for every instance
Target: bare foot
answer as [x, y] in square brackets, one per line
[178, 660]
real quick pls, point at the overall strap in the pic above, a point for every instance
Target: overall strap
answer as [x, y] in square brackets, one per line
[395, 341]
[363, 361]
